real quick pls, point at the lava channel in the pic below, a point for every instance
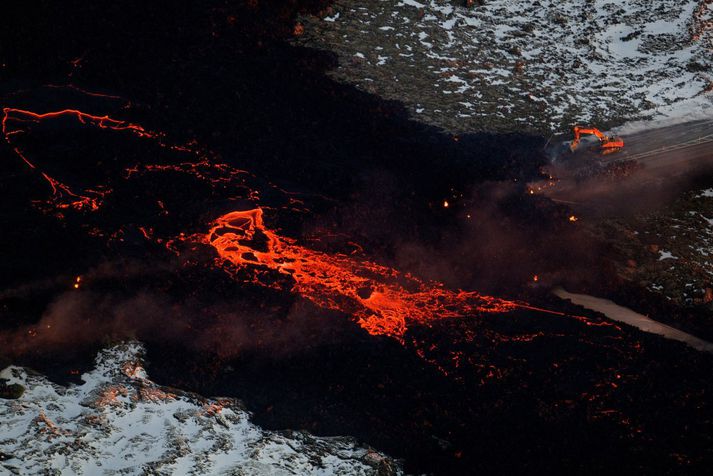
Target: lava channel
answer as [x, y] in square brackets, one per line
[384, 300]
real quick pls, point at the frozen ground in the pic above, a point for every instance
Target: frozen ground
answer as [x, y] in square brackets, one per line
[538, 65]
[119, 422]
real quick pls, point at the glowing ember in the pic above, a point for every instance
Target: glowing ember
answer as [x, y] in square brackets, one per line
[573, 218]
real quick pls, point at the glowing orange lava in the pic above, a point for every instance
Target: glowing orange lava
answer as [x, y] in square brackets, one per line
[104, 122]
[383, 299]
[13, 121]
[202, 164]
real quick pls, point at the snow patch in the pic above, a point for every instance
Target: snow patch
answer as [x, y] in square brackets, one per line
[120, 422]
[591, 60]
[666, 255]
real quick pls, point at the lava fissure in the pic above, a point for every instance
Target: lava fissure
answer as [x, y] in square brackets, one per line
[90, 199]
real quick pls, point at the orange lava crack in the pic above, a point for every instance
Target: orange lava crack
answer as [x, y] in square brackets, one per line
[12, 116]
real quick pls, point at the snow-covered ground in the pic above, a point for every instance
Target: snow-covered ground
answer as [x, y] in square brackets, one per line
[526, 64]
[119, 422]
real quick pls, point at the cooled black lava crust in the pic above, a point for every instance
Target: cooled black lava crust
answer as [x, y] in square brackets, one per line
[531, 392]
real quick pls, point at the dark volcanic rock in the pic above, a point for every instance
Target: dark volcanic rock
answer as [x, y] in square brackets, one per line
[239, 119]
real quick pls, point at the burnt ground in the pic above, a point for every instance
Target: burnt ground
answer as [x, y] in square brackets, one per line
[522, 391]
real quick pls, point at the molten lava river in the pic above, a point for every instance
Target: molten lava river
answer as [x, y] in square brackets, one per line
[382, 300]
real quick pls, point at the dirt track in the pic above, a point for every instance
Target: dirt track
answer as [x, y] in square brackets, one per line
[656, 148]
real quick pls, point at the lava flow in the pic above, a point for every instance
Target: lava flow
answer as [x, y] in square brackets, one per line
[104, 122]
[383, 299]
[13, 120]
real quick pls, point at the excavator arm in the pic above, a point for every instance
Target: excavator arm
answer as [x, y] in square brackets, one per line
[607, 144]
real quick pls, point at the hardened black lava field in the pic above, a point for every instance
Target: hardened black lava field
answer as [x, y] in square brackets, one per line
[185, 175]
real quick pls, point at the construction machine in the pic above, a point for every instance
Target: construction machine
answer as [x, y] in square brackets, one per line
[607, 144]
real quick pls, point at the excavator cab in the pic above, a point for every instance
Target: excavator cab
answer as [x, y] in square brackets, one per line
[607, 145]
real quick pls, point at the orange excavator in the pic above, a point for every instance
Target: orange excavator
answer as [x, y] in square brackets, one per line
[607, 144]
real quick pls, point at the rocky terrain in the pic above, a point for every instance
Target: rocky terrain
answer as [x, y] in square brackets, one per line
[669, 254]
[188, 176]
[679, 249]
[516, 65]
[120, 422]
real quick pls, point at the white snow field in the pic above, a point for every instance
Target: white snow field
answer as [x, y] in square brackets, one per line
[526, 64]
[119, 422]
